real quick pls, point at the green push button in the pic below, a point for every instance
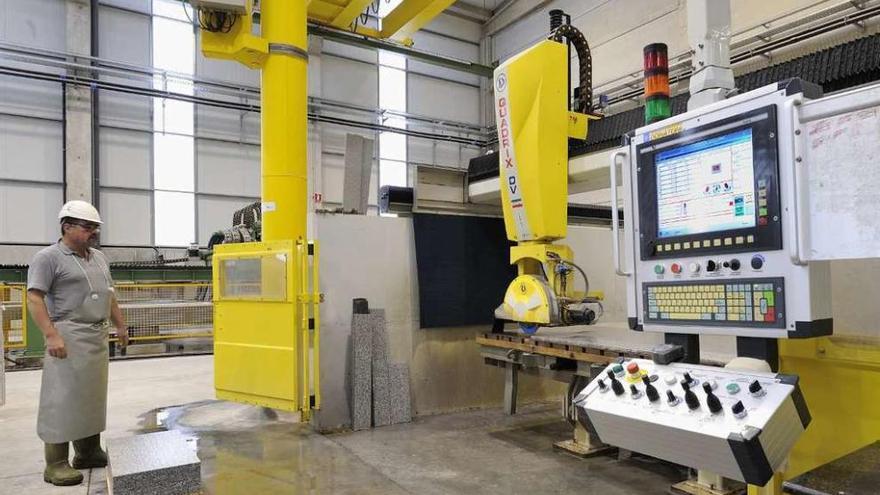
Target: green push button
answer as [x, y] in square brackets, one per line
[732, 388]
[617, 369]
[658, 269]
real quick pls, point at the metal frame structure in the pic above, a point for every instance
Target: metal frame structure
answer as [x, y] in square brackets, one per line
[128, 279]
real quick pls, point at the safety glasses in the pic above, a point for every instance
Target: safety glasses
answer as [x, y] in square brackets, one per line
[88, 226]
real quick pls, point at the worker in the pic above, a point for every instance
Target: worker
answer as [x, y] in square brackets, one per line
[71, 298]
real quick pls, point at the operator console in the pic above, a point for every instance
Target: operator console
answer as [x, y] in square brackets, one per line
[712, 246]
[740, 425]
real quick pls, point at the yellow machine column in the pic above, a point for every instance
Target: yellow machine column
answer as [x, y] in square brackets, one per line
[266, 319]
[285, 120]
[534, 124]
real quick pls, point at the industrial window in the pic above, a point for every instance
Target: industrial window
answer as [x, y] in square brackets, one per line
[392, 100]
[173, 127]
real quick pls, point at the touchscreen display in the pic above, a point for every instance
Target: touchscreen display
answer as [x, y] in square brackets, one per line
[706, 186]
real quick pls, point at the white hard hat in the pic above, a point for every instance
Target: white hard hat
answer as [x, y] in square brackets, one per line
[80, 210]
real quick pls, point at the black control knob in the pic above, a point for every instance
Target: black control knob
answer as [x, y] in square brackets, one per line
[690, 398]
[615, 383]
[755, 388]
[671, 398]
[726, 264]
[650, 390]
[711, 266]
[688, 379]
[712, 400]
[734, 265]
[602, 385]
[757, 262]
[738, 409]
[635, 392]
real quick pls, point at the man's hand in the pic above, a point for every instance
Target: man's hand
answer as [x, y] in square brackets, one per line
[122, 335]
[55, 346]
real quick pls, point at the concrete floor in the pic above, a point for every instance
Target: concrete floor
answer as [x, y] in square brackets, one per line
[250, 450]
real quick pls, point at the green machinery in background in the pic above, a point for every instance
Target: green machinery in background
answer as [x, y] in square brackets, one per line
[183, 291]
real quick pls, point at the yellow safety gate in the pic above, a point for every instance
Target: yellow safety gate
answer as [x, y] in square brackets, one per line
[266, 338]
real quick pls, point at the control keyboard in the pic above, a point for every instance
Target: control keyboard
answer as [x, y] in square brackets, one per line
[747, 302]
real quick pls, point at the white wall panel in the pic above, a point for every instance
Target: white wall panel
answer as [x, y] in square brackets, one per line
[126, 158]
[349, 81]
[442, 45]
[138, 5]
[532, 28]
[125, 110]
[252, 128]
[31, 98]
[455, 27]
[127, 218]
[29, 213]
[124, 36]
[427, 96]
[31, 149]
[224, 123]
[355, 52]
[216, 214]
[39, 23]
[228, 168]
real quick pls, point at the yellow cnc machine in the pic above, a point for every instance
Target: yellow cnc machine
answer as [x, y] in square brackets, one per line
[266, 318]
[534, 124]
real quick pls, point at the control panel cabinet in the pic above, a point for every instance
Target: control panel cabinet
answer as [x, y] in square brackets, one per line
[740, 425]
[712, 246]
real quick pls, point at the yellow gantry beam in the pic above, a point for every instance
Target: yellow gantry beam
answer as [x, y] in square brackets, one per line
[410, 16]
[400, 24]
[349, 13]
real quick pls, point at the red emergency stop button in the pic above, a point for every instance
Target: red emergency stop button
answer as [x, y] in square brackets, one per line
[632, 368]
[676, 268]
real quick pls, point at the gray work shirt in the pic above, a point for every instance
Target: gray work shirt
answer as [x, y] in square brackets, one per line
[65, 277]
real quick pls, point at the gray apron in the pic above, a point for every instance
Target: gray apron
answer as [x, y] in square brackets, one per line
[73, 395]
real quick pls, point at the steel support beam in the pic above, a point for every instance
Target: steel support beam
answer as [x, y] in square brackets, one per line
[430, 58]
[349, 13]
[410, 16]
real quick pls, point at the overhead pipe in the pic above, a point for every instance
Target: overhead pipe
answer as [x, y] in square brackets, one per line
[158, 93]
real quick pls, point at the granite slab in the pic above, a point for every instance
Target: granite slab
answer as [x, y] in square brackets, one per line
[401, 401]
[362, 371]
[381, 374]
[162, 463]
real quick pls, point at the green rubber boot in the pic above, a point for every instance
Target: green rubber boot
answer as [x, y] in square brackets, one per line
[58, 471]
[88, 453]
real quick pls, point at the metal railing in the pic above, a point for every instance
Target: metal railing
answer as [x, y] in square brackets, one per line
[153, 312]
[166, 311]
